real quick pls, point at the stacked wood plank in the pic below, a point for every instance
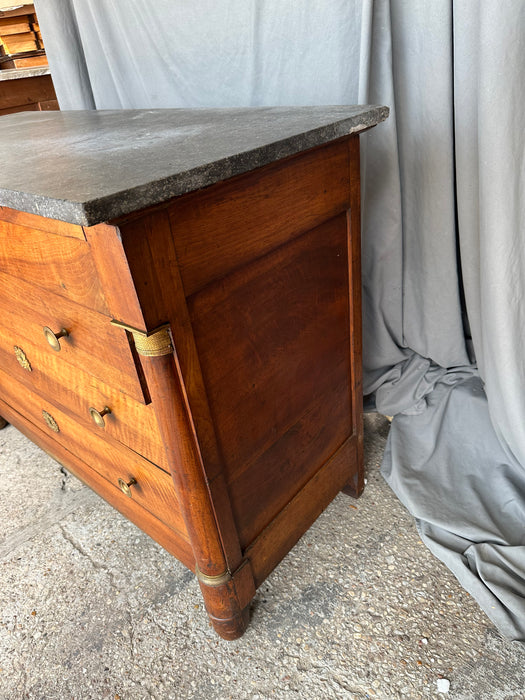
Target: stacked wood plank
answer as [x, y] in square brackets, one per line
[30, 87]
[21, 44]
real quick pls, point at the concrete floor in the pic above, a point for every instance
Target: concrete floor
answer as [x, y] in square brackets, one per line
[91, 608]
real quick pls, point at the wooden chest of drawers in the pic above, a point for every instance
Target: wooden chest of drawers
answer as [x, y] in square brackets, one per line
[191, 351]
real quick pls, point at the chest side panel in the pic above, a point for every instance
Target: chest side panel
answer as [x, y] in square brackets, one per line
[258, 279]
[273, 340]
[263, 324]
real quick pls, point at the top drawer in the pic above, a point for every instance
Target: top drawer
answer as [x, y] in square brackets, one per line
[55, 262]
[93, 345]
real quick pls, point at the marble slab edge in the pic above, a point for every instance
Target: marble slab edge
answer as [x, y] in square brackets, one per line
[119, 204]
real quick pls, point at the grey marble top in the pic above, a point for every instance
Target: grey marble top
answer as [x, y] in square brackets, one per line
[86, 167]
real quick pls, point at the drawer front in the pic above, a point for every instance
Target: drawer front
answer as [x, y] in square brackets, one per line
[93, 344]
[153, 489]
[76, 392]
[55, 263]
[94, 367]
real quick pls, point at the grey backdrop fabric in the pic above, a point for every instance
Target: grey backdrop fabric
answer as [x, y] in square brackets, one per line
[443, 204]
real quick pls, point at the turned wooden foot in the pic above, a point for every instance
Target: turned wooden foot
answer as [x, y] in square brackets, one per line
[234, 627]
[3, 422]
[228, 601]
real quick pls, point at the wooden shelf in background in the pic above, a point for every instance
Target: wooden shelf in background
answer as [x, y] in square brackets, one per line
[35, 93]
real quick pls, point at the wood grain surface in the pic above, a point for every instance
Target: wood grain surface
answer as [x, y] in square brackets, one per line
[41, 223]
[75, 391]
[93, 344]
[55, 263]
[154, 489]
[273, 340]
[225, 226]
[174, 541]
[240, 434]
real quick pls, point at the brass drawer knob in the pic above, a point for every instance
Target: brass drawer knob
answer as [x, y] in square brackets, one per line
[125, 486]
[98, 416]
[54, 338]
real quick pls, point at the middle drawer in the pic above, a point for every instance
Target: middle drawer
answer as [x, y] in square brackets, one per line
[70, 378]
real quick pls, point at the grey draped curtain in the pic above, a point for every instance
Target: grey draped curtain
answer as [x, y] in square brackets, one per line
[443, 217]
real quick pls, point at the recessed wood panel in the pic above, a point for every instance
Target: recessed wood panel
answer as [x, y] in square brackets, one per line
[274, 344]
[247, 389]
[225, 226]
[293, 520]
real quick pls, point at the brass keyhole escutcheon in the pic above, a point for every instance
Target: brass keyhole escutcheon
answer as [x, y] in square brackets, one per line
[51, 422]
[22, 359]
[54, 338]
[98, 416]
[125, 486]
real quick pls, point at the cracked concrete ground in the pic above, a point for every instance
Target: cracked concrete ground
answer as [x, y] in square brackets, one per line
[91, 608]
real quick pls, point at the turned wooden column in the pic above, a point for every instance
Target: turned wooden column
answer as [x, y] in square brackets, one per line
[226, 594]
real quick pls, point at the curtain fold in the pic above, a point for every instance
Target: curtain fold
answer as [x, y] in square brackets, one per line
[490, 127]
[448, 165]
[65, 55]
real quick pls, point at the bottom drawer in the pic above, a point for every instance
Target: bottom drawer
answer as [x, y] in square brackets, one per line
[152, 489]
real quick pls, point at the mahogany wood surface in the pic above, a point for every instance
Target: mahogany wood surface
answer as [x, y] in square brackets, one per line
[225, 226]
[357, 481]
[296, 517]
[75, 391]
[228, 604]
[41, 223]
[115, 277]
[273, 339]
[93, 344]
[150, 250]
[174, 541]
[153, 491]
[244, 430]
[226, 607]
[164, 380]
[54, 263]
